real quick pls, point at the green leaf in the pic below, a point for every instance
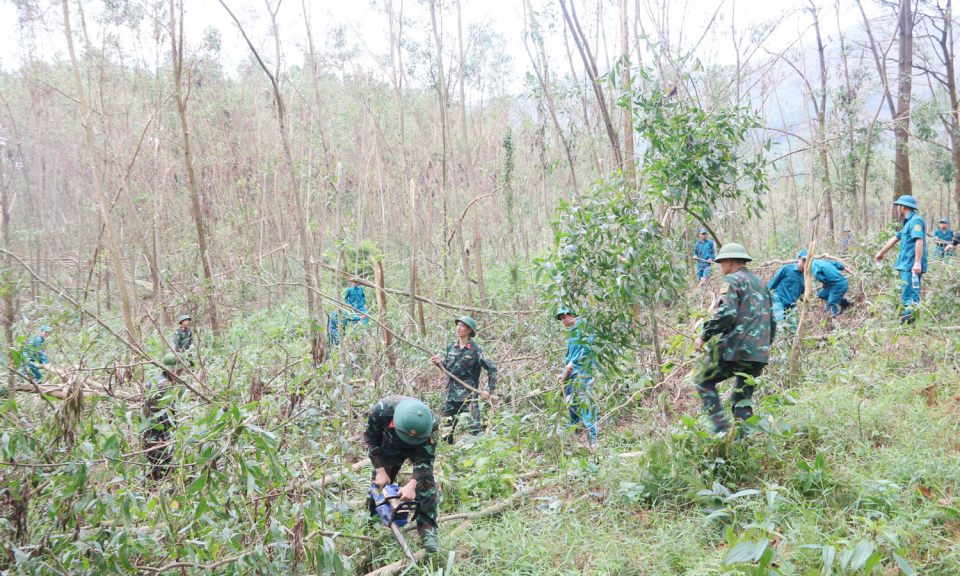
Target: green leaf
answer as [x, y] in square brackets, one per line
[742, 552]
[904, 566]
[861, 553]
[198, 484]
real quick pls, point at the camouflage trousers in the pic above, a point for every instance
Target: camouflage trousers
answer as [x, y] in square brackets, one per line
[452, 409]
[426, 495]
[161, 457]
[743, 391]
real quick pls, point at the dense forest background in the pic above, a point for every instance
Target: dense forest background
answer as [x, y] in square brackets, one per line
[239, 162]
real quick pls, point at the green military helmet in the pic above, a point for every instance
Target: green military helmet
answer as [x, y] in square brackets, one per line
[470, 322]
[170, 361]
[413, 421]
[732, 251]
[184, 317]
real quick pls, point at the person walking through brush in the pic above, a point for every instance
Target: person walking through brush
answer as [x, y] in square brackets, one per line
[745, 327]
[835, 284]
[576, 376]
[943, 240]
[33, 356]
[357, 300]
[464, 359]
[786, 287]
[183, 339]
[401, 428]
[846, 241]
[912, 258]
[159, 410]
[704, 250]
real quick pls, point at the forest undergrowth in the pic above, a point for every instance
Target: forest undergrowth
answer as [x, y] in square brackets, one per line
[850, 470]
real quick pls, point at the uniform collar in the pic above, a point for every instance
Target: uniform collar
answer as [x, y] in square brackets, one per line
[456, 344]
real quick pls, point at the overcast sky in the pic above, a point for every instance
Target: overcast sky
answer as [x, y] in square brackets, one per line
[365, 26]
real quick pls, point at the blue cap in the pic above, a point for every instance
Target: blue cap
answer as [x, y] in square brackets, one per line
[703, 230]
[846, 229]
[906, 200]
[802, 254]
[562, 311]
[943, 221]
[46, 328]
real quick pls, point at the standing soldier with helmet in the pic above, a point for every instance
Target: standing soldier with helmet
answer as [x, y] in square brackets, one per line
[464, 359]
[912, 258]
[745, 327]
[704, 251]
[944, 240]
[576, 376]
[183, 338]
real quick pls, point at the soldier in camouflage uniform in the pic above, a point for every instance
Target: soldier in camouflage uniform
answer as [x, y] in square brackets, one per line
[400, 428]
[161, 415]
[183, 337]
[464, 358]
[745, 326]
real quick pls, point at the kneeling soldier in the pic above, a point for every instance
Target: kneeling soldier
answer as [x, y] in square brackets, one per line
[745, 325]
[401, 428]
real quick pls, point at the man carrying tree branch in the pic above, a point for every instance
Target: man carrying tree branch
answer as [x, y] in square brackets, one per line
[463, 360]
[745, 326]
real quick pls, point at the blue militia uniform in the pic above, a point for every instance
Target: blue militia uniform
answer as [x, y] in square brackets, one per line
[943, 236]
[914, 229]
[787, 286]
[356, 298]
[34, 356]
[577, 386]
[835, 284]
[704, 250]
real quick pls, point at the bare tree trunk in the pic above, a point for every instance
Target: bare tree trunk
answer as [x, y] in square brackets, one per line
[86, 116]
[543, 77]
[794, 375]
[7, 278]
[902, 184]
[413, 254]
[589, 62]
[442, 98]
[630, 167]
[821, 123]
[176, 50]
[382, 310]
[306, 247]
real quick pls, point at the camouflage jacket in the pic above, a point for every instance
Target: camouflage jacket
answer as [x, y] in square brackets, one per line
[385, 446]
[744, 319]
[182, 339]
[162, 415]
[465, 363]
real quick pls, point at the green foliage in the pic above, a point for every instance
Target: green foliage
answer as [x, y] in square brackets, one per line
[610, 256]
[699, 159]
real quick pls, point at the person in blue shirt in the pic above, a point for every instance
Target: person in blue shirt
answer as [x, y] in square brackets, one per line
[33, 357]
[786, 287]
[944, 240]
[912, 258]
[338, 322]
[704, 251]
[577, 373]
[835, 284]
[846, 241]
[357, 300]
